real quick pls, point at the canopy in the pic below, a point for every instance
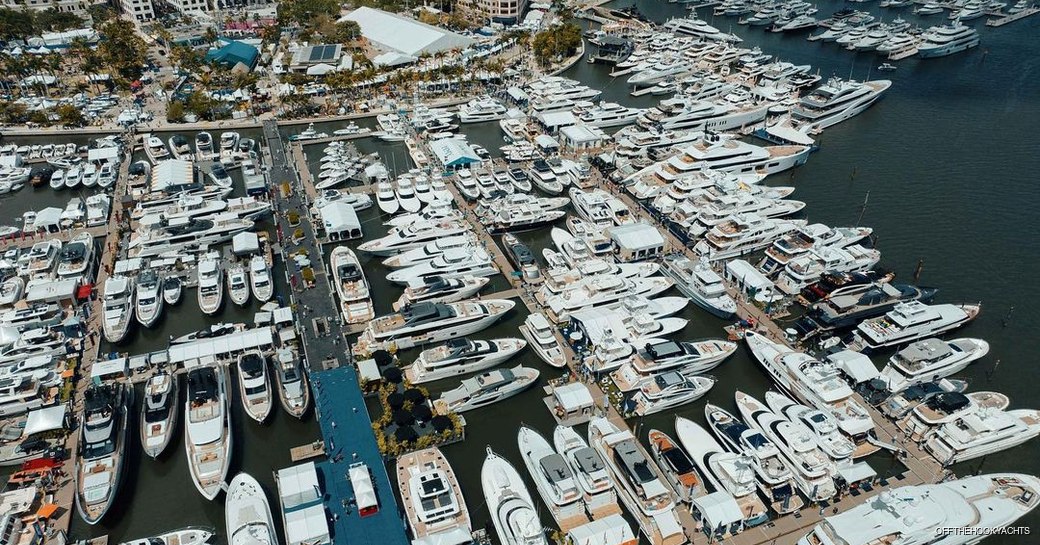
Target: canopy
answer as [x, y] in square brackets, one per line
[225, 344]
[361, 480]
[298, 485]
[854, 473]
[102, 369]
[612, 530]
[573, 397]
[857, 366]
[44, 420]
[47, 510]
[245, 242]
[718, 510]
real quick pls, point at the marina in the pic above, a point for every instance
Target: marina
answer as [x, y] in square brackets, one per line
[562, 305]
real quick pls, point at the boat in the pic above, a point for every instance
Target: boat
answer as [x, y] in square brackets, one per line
[940, 41]
[204, 145]
[185, 536]
[406, 197]
[512, 511]
[247, 513]
[655, 356]
[930, 360]
[820, 424]
[254, 385]
[453, 262]
[11, 291]
[678, 469]
[420, 323]
[434, 289]
[118, 300]
[487, 388]
[154, 148]
[76, 256]
[962, 509]
[293, 390]
[186, 235]
[552, 477]
[172, 288]
[480, 109]
[159, 413]
[260, 283]
[401, 239]
[835, 102]
[179, 147]
[149, 300]
[238, 285]
[461, 356]
[219, 175]
[228, 141]
[887, 67]
[742, 234]
[207, 428]
[104, 433]
[57, 180]
[542, 339]
[386, 198]
[522, 218]
[432, 499]
[211, 283]
[668, 390]
[351, 286]
[848, 305]
[910, 321]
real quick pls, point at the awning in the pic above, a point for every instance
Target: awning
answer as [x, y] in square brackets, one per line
[859, 367]
[47, 510]
[857, 472]
[44, 420]
[573, 397]
[84, 291]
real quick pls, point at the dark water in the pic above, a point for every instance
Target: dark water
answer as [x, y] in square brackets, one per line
[950, 164]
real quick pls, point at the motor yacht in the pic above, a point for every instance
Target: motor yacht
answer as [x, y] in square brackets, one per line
[228, 141]
[76, 256]
[683, 113]
[980, 431]
[678, 469]
[487, 388]
[693, 26]
[254, 385]
[742, 234]
[813, 236]
[207, 427]
[172, 289]
[432, 499]
[154, 148]
[659, 355]
[260, 283]
[149, 300]
[940, 41]
[118, 302]
[421, 323]
[806, 269]
[481, 109]
[238, 285]
[211, 283]
[247, 513]
[553, 478]
[847, 306]
[434, 289]
[412, 236]
[539, 334]
[668, 390]
[460, 357]
[185, 536]
[835, 102]
[590, 472]
[179, 147]
[291, 377]
[701, 284]
[40, 258]
[929, 360]
[608, 114]
[104, 434]
[159, 413]
[204, 145]
[351, 286]
[819, 424]
[453, 262]
[186, 234]
[910, 321]
[512, 510]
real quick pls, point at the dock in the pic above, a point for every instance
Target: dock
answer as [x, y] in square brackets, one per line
[306, 452]
[337, 138]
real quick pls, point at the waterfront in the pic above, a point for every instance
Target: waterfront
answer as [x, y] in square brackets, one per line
[948, 159]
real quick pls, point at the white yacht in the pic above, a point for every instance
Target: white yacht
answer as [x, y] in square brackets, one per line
[591, 474]
[742, 234]
[675, 464]
[254, 385]
[185, 536]
[207, 428]
[421, 323]
[683, 113]
[910, 321]
[929, 360]
[204, 145]
[806, 269]
[542, 339]
[159, 413]
[104, 433]
[658, 355]
[433, 501]
[467, 184]
[118, 307]
[607, 114]
[76, 256]
[453, 262]
[835, 102]
[406, 197]
[979, 431]
[813, 236]
[210, 283]
[430, 250]
[441, 290]
[260, 281]
[40, 258]
[460, 357]
[553, 478]
[247, 513]
[601, 290]
[228, 141]
[412, 236]
[701, 284]
[940, 41]
[186, 234]
[238, 285]
[512, 510]
[668, 390]
[352, 288]
[149, 300]
[154, 148]
[724, 154]
[291, 376]
[481, 109]
[820, 424]
[962, 510]
[172, 289]
[487, 388]
[386, 198]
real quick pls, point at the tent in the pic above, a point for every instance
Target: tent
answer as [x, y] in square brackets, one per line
[45, 419]
[48, 219]
[364, 493]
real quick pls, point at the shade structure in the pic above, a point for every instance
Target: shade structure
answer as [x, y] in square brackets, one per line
[393, 374]
[403, 418]
[441, 422]
[405, 434]
[414, 395]
[422, 412]
[395, 400]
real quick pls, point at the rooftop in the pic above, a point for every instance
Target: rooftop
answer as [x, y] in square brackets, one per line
[403, 34]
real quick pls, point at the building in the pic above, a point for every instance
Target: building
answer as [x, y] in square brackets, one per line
[234, 53]
[141, 10]
[636, 241]
[454, 154]
[77, 7]
[187, 6]
[403, 35]
[506, 12]
[318, 60]
[582, 137]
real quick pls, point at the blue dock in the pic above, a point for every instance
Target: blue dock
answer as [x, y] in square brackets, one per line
[347, 431]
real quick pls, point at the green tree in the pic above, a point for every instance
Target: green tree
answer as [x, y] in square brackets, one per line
[175, 112]
[70, 116]
[556, 42]
[16, 23]
[122, 50]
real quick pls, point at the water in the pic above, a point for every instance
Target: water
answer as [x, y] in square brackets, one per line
[948, 158]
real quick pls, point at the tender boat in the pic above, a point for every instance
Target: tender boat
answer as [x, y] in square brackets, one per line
[433, 501]
[149, 302]
[260, 279]
[355, 300]
[247, 513]
[238, 285]
[254, 386]
[460, 357]
[104, 434]
[207, 428]
[512, 511]
[293, 390]
[487, 388]
[159, 413]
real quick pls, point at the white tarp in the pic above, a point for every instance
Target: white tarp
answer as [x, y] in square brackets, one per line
[573, 397]
[239, 341]
[718, 510]
[298, 485]
[102, 369]
[612, 530]
[245, 243]
[46, 419]
[361, 480]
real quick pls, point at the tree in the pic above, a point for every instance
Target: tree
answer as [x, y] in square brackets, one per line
[70, 116]
[16, 23]
[556, 42]
[122, 50]
[175, 112]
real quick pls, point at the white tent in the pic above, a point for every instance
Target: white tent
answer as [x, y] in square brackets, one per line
[573, 397]
[320, 69]
[44, 420]
[48, 219]
[719, 512]
[340, 220]
[361, 481]
[612, 530]
[245, 243]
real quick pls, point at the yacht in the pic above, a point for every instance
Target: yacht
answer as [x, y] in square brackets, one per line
[487, 388]
[434, 289]
[724, 154]
[40, 258]
[11, 291]
[104, 434]
[432, 498]
[542, 177]
[406, 197]
[683, 113]
[601, 290]
[657, 356]
[412, 236]
[118, 302]
[351, 286]
[819, 424]
[154, 149]
[228, 141]
[186, 234]
[421, 323]
[818, 383]
[453, 262]
[238, 285]
[293, 390]
[910, 321]
[207, 428]
[386, 198]
[76, 256]
[608, 114]
[772, 471]
[980, 431]
[460, 357]
[159, 413]
[172, 289]
[481, 109]
[211, 283]
[806, 269]
[835, 102]
[813, 236]
[940, 41]
[247, 513]
[693, 26]
[668, 390]
[467, 184]
[509, 503]
[254, 385]
[180, 147]
[542, 339]
[204, 145]
[847, 306]
[742, 234]
[553, 478]
[639, 484]
[929, 360]
[701, 284]
[676, 466]
[260, 279]
[149, 303]
[591, 474]
[185, 536]
[962, 510]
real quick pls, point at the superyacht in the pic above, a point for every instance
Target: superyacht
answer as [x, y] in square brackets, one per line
[940, 41]
[351, 286]
[835, 102]
[207, 428]
[512, 510]
[908, 322]
[461, 356]
[487, 388]
[422, 323]
[432, 498]
[553, 478]
[929, 360]
[104, 433]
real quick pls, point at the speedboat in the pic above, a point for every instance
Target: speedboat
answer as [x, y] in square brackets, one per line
[207, 427]
[678, 469]
[460, 357]
[238, 285]
[487, 388]
[929, 360]
[247, 513]
[254, 386]
[351, 286]
[260, 279]
[158, 413]
[172, 288]
[149, 302]
[552, 476]
[118, 300]
[211, 283]
[512, 511]
[433, 501]
[434, 289]
[104, 433]
[293, 390]
[204, 145]
[539, 333]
